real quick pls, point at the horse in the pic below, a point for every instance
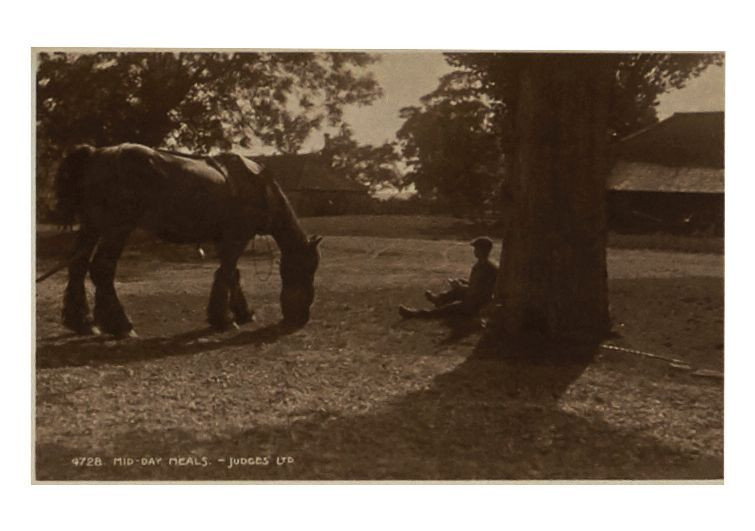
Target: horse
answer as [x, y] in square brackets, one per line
[225, 199]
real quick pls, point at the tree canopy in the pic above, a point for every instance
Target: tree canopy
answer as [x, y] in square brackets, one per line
[199, 101]
[639, 80]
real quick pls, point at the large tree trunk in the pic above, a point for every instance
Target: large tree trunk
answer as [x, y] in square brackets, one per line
[553, 280]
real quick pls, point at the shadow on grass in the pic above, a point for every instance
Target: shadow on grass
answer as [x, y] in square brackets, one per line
[460, 329]
[75, 351]
[492, 418]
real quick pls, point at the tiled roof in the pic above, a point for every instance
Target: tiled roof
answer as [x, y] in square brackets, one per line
[307, 172]
[648, 177]
[688, 139]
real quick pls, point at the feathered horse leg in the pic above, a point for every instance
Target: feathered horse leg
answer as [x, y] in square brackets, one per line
[76, 315]
[239, 307]
[108, 311]
[227, 304]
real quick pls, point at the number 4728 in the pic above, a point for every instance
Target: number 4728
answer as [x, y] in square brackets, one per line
[86, 461]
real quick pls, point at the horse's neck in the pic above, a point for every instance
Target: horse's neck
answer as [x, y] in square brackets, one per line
[285, 228]
[290, 238]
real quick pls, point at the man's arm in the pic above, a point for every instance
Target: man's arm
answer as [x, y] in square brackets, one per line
[481, 286]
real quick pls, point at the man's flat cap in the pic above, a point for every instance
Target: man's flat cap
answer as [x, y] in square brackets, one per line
[483, 242]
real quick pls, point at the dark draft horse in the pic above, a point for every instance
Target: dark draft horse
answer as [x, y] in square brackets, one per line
[224, 199]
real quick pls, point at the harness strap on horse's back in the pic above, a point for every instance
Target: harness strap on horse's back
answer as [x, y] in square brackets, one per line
[252, 167]
[213, 163]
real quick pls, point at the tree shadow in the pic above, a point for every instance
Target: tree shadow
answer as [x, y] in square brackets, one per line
[76, 351]
[457, 328]
[495, 417]
[460, 328]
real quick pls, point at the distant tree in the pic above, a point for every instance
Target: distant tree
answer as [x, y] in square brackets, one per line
[373, 166]
[451, 143]
[197, 101]
[561, 111]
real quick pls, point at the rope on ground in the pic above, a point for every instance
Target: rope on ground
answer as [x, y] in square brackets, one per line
[62, 264]
[676, 363]
[270, 259]
[381, 252]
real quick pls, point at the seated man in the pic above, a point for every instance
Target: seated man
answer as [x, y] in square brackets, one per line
[464, 298]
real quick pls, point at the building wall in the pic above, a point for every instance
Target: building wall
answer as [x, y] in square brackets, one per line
[682, 213]
[329, 203]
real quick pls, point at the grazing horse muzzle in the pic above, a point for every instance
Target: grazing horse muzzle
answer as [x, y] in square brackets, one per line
[295, 304]
[298, 279]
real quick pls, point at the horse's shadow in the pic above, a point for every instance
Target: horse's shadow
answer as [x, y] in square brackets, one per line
[75, 351]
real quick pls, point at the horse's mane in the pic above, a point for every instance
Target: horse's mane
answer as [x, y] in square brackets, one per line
[192, 156]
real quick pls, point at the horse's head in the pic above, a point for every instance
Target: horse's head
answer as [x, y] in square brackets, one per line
[297, 271]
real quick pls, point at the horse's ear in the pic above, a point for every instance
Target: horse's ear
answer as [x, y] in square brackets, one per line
[314, 241]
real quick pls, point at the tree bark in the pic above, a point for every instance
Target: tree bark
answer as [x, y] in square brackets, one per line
[553, 279]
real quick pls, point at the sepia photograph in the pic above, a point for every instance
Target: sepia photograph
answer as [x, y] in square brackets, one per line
[438, 266]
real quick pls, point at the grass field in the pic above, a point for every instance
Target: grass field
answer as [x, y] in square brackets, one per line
[359, 394]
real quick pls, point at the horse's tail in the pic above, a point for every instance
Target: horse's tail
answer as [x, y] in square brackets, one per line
[68, 183]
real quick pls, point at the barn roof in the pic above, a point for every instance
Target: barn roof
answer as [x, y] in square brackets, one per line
[687, 139]
[684, 153]
[307, 172]
[648, 177]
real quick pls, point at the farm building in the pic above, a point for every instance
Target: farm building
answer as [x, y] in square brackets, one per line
[314, 187]
[670, 177]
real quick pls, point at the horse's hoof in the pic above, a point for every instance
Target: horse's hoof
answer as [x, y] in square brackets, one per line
[83, 329]
[88, 330]
[131, 334]
[244, 319]
[224, 327]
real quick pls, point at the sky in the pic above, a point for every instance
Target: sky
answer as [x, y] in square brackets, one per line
[704, 93]
[406, 76]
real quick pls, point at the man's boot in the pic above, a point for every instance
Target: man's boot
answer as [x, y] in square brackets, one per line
[408, 313]
[432, 297]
